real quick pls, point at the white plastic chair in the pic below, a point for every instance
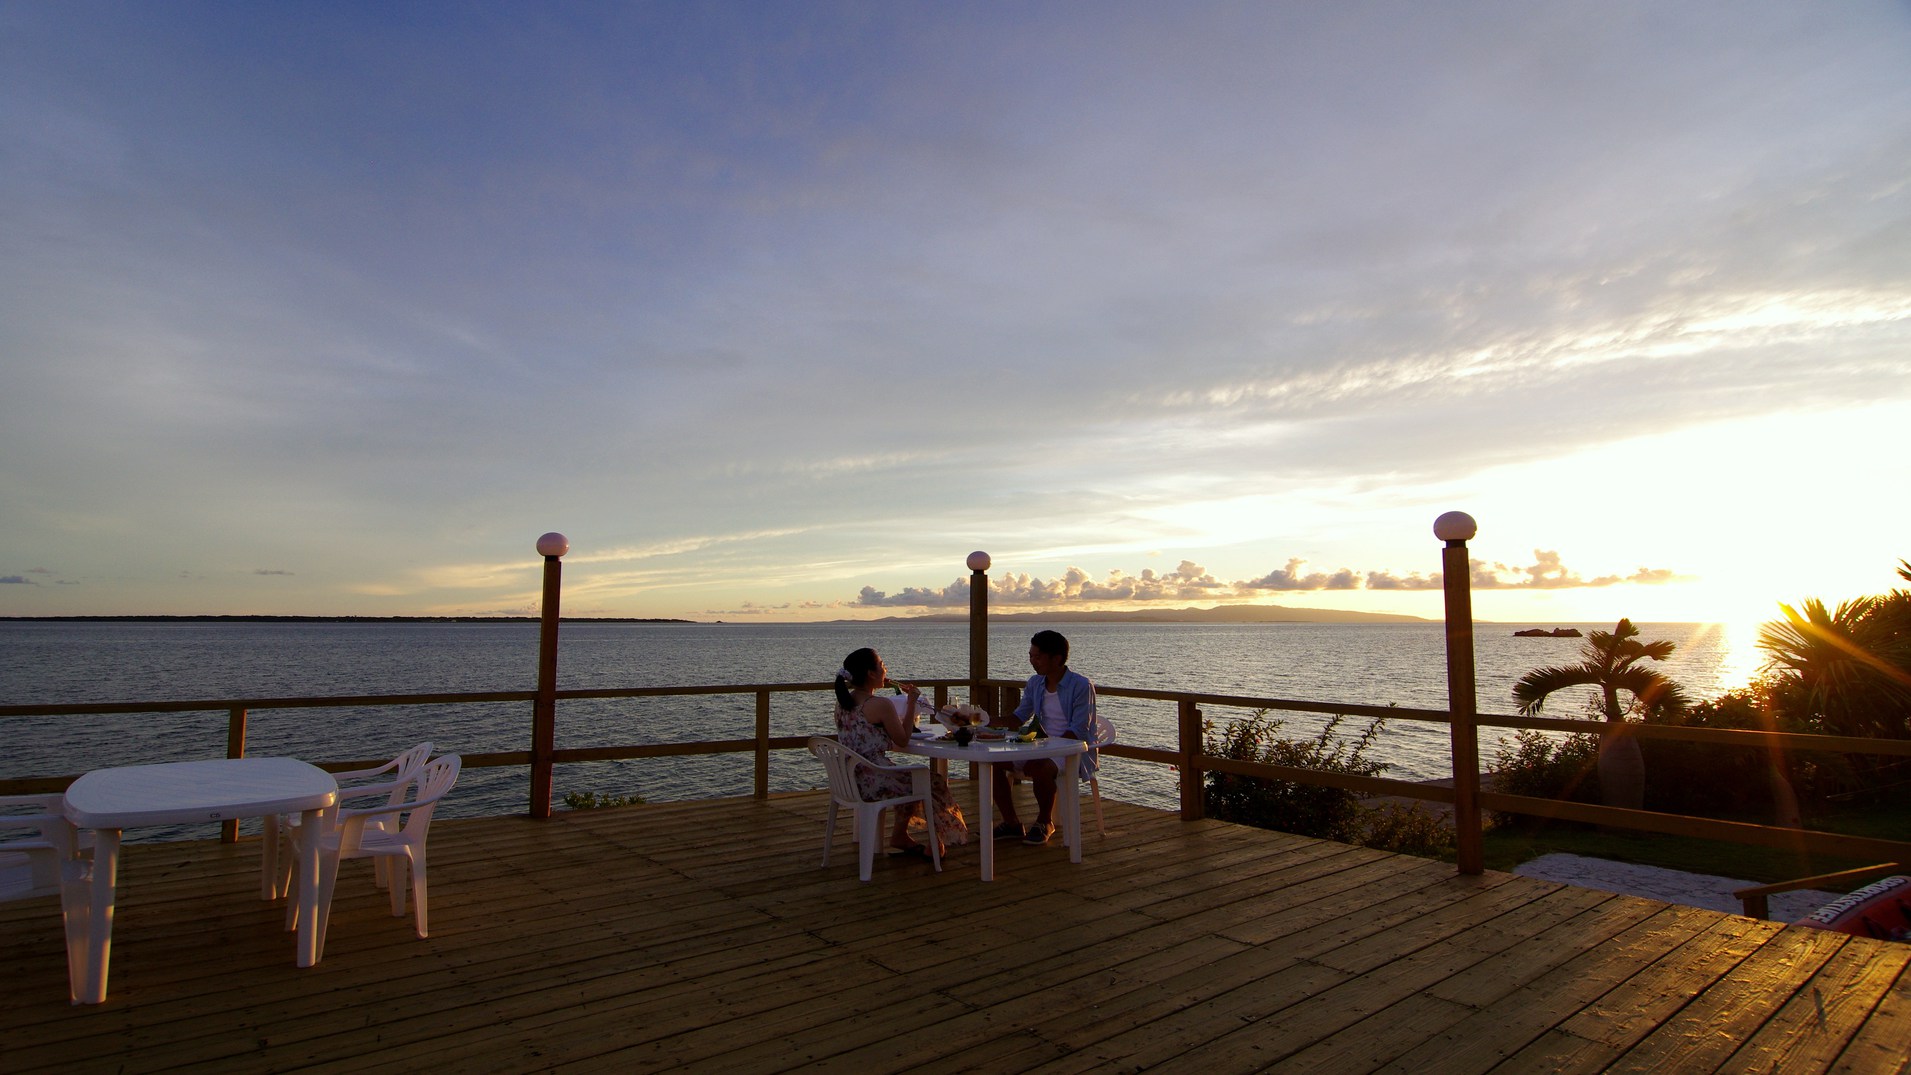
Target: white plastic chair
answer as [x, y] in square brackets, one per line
[41, 854]
[395, 831]
[840, 763]
[275, 859]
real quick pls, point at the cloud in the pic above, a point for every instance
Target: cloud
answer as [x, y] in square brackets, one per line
[1387, 580]
[1191, 581]
[675, 547]
[954, 594]
[270, 571]
[1546, 572]
[1292, 578]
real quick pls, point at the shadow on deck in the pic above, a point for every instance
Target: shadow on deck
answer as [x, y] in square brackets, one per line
[704, 935]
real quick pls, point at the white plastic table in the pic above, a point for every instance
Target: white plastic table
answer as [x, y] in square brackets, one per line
[987, 754]
[176, 793]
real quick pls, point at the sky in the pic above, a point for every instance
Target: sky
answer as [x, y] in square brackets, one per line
[778, 311]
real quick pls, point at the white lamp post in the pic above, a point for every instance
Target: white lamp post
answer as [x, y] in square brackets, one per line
[979, 628]
[544, 710]
[1456, 528]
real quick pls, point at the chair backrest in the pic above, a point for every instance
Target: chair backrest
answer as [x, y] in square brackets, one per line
[1102, 734]
[435, 780]
[840, 763]
[406, 765]
[400, 768]
[431, 785]
[409, 761]
[36, 842]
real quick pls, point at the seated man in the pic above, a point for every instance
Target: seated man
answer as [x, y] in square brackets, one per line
[1062, 704]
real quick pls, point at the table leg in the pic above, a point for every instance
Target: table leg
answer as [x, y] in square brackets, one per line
[987, 797]
[308, 850]
[76, 915]
[269, 858]
[99, 927]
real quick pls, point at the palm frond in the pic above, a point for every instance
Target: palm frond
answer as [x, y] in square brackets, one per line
[1849, 664]
[1656, 694]
[1533, 688]
[1657, 651]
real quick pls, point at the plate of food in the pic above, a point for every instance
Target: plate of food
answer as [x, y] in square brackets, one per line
[954, 717]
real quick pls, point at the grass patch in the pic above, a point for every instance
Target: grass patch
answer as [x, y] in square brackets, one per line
[1508, 846]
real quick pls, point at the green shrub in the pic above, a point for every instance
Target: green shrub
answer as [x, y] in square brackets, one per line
[1303, 809]
[1699, 779]
[590, 800]
[1745, 709]
[1545, 767]
[1702, 778]
[1406, 830]
[1312, 809]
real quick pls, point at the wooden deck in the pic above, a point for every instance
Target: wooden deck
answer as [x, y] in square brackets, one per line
[704, 935]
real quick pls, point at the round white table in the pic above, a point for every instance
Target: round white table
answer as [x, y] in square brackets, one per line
[986, 754]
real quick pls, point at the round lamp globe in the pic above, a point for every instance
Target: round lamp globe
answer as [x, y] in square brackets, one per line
[1455, 526]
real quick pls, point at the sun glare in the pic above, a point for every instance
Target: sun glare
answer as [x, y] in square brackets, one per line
[1746, 514]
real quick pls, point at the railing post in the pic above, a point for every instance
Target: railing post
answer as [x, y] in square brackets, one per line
[544, 710]
[1456, 528]
[235, 748]
[762, 744]
[979, 695]
[1194, 803]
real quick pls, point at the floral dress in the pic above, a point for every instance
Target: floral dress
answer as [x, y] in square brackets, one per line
[872, 742]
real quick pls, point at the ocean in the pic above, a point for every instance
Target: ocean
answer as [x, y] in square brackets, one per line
[1378, 664]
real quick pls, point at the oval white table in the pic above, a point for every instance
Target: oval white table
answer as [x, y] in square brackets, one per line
[177, 793]
[986, 754]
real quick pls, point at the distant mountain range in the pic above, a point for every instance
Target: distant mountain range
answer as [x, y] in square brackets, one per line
[1217, 614]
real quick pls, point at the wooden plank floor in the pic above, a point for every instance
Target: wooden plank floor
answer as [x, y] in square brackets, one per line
[705, 936]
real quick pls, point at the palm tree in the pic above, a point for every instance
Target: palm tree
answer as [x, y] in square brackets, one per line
[1844, 671]
[1609, 660]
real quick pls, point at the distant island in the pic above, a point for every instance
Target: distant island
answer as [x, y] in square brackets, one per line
[1217, 614]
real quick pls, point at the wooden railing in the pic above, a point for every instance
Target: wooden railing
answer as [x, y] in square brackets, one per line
[1188, 756]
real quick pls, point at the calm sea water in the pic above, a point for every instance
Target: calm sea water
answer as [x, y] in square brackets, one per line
[1398, 664]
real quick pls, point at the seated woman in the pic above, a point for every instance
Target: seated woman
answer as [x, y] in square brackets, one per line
[869, 726]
